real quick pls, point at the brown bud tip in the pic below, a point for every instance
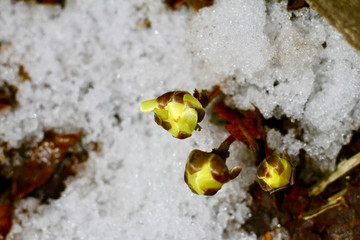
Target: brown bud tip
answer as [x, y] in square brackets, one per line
[235, 172]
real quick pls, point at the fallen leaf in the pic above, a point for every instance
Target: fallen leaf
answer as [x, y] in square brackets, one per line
[198, 4]
[194, 4]
[8, 96]
[44, 160]
[174, 3]
[53, 188]
[296, 4]
[324, 44]
[23, 74]
[40, 171]
[48, 2]
[5, 218]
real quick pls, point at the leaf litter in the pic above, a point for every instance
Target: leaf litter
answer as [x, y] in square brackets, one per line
[38, 170]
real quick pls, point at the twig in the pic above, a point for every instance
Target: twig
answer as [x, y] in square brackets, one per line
[334, 201]
[339, 171]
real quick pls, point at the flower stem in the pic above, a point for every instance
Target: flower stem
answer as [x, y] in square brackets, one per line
[226, 143]
[223, 149]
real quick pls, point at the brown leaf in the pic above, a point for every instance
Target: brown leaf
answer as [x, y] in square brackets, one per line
[174, 3]
[296, 4]
[23, 74]
[41, 170]
[324, 44]
[56, 184]
[194, 4]
[198, 4]
[52, 2]
[47, 2]
[42, 163]
[8, 96]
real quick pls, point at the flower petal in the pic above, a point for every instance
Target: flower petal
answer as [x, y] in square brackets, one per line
[148, 106]
[192, 101]
[161, 113]
[190, 117]
[175, 110]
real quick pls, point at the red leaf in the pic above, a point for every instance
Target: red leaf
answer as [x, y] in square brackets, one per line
[234, 130]
[250, 127]
[223, 112]
[243, 129]
[238, 131]
[5, 219]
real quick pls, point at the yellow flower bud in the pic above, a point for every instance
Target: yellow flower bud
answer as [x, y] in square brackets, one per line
[205, 173]
[275, 173]
[177, 112]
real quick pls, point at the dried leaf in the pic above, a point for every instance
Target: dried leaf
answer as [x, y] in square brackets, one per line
[263, 210]
[194, 4]
[48, 2]
[53, 188]
[198, 4]
[43, 168]
[23, 74]
[8, 96]
[42, 163]
[52, 2]
[174, 3]
[145, 23]
[296, 4]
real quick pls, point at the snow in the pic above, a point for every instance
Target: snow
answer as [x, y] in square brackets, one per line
[278, 64]
[91, 66]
